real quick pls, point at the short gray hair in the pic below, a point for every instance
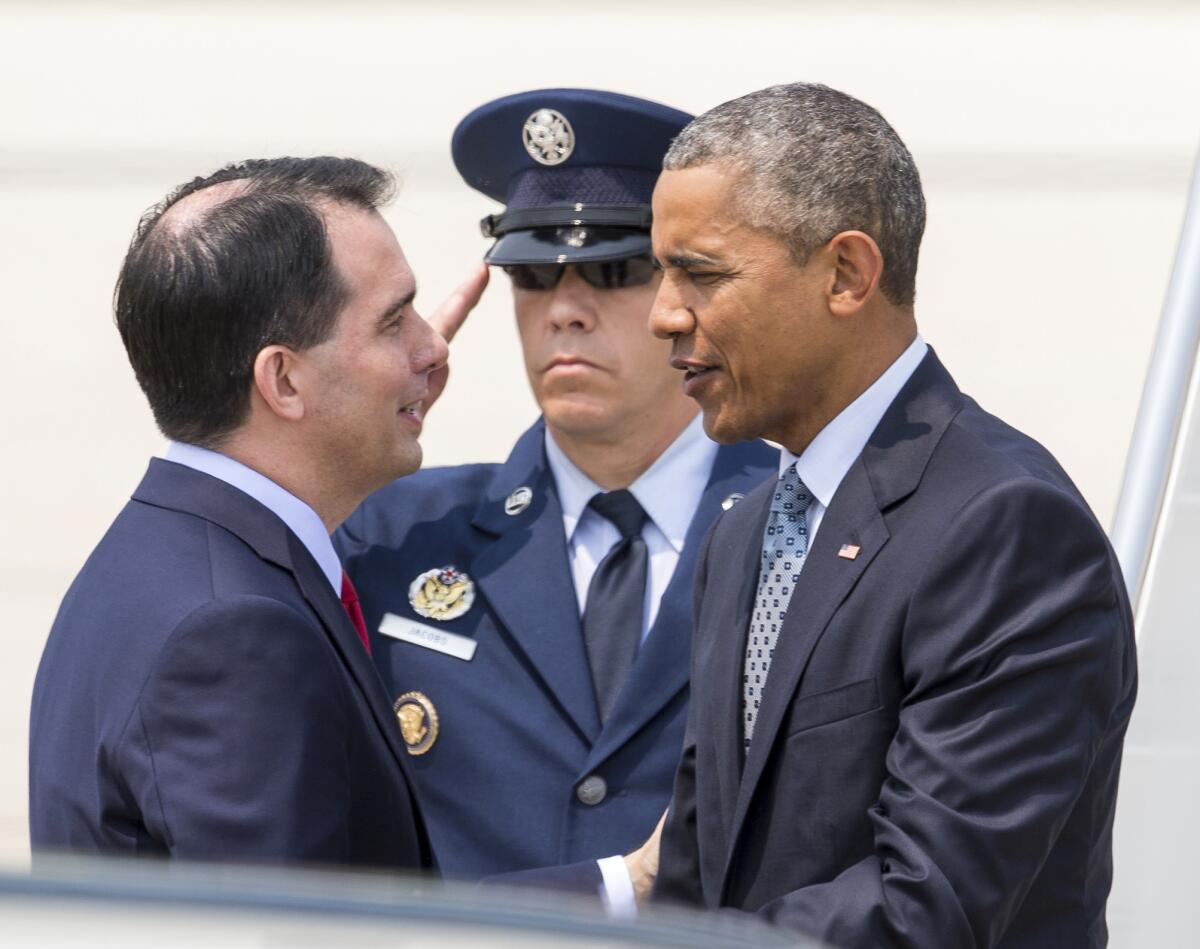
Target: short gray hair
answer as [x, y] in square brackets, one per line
[816, 162]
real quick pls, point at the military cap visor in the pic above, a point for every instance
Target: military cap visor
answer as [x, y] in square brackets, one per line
[575, 169]
[565, 245]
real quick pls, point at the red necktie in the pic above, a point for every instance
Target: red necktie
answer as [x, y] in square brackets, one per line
[354, 610]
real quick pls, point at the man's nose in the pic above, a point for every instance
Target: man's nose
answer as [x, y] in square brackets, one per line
[572, 303]
[432, 352]
[669, 315]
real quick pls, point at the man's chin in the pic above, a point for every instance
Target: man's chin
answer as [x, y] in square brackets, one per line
[407, 462]
[578, 417]
[721, 428]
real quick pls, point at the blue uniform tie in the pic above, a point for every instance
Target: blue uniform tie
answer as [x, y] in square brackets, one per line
[785, 545]
[612, 615]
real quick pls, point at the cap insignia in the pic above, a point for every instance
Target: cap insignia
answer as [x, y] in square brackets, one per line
[548, 137]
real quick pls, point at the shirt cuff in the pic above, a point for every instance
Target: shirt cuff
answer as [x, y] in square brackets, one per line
[617, 891]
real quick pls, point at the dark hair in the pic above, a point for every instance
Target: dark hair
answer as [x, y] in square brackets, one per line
[197, 300]
[816, 162]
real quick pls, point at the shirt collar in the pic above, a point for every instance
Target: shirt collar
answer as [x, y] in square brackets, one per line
[824, 463]
[301, 519]
[669, 491]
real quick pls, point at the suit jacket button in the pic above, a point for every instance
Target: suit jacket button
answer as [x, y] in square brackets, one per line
[592, 790]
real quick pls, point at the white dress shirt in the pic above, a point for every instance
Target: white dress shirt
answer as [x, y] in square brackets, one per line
[298, 516]
[669, 491]
[821, 466]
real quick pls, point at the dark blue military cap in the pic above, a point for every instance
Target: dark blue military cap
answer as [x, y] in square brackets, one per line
[575, 169]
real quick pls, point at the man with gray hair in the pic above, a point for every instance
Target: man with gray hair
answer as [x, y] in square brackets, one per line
[913, 661]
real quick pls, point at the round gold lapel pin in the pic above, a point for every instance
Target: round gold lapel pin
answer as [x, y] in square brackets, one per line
[418, 721]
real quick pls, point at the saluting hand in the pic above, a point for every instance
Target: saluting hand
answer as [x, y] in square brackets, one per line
[447, 319]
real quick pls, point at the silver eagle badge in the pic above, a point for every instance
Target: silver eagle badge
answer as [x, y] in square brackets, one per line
[548, 137]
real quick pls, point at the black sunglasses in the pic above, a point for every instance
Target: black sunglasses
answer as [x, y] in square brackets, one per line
[601, 274]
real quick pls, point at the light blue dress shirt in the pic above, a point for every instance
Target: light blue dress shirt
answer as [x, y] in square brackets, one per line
[669, 491]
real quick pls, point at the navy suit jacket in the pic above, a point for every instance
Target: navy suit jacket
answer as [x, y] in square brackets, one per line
[936, 755]
[202, 694]
[518, 726]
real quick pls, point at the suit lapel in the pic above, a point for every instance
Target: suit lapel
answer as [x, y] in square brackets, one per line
[888, 470]
[326, 604]
[181, 488]
[663, 662]
[826, 580]
[530, 553]
[730, 624]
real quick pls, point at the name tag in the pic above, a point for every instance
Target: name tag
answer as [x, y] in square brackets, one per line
[410, 631]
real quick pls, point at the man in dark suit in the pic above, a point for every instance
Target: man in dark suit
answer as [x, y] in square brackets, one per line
[207, 690]
[913, 662]
[533, 619]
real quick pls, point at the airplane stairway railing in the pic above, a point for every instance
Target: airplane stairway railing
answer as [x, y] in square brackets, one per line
[1156, 533]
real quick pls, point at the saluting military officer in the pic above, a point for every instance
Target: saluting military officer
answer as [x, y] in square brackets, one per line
[533, 619]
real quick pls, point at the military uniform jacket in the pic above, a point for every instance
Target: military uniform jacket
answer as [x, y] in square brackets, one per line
[521, 774]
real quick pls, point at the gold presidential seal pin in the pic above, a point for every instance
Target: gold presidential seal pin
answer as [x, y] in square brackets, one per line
[418, 721]
[442, 593]
[520, 499]
[548, 137]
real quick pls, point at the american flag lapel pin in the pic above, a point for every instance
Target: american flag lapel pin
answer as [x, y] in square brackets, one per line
[849, 551]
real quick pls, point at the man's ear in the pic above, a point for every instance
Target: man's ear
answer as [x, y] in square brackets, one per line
[858, 265]
[278, 377]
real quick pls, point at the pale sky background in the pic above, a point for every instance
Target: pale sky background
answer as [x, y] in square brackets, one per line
[1056, 143]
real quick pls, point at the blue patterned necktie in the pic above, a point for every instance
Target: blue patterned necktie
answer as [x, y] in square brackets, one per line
[785, 545]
